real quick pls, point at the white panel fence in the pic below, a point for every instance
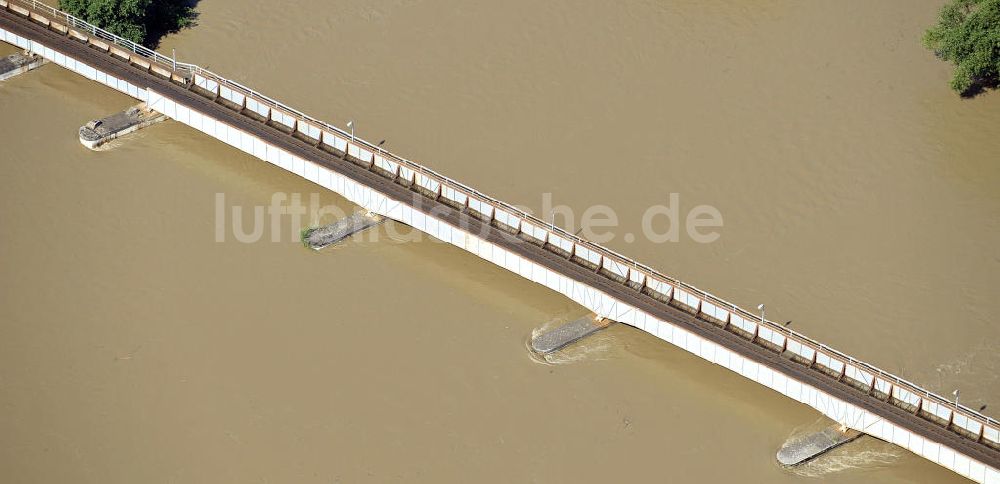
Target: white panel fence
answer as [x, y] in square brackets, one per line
[627, 271]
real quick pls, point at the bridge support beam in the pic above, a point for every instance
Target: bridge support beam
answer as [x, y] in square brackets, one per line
[674, 323]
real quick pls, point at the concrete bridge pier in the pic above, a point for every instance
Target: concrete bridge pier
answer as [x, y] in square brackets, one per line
[613, 286]
[319, 237]
[569, 333]
[17, 64]
[99, 131]
[811, 446]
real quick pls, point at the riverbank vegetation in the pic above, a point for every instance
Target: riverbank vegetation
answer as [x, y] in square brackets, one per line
[141, 21]
[968, 35]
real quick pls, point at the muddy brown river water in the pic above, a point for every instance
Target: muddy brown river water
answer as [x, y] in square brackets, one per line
[859, 198]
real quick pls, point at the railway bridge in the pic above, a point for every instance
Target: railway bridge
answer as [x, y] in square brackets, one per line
[856, 394]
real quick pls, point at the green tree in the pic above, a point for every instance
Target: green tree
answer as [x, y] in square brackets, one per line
[141, 21]
[968, 35]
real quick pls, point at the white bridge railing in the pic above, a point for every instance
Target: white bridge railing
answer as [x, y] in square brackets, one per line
[685, 296]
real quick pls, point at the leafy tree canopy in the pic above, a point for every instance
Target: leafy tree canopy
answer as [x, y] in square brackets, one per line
[968, 35]
[141, 21]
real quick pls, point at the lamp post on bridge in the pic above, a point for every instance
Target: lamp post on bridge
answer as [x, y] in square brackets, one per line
[350, 124]
[956, 392]
[761, 307]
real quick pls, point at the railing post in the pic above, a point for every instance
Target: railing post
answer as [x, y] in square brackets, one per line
[892, 381]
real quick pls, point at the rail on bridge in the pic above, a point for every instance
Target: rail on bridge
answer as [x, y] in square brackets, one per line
[769, 336]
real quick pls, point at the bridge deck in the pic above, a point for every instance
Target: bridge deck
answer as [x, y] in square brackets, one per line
[551, 260]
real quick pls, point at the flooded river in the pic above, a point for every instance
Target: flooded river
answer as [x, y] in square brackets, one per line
[859, 198]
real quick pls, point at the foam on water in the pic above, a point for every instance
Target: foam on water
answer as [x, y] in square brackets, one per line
[864, 454]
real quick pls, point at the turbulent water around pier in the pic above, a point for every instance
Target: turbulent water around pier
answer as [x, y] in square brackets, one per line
[859, 197]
